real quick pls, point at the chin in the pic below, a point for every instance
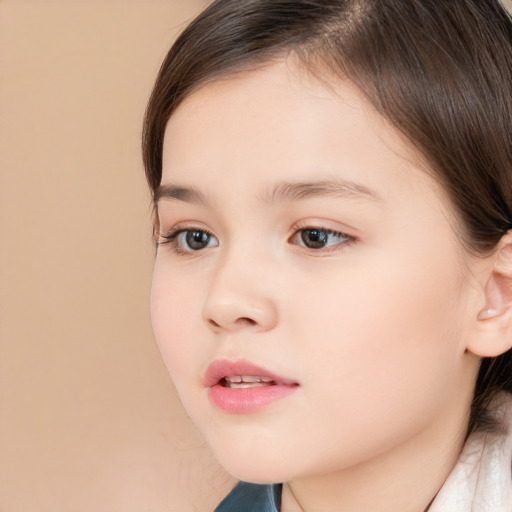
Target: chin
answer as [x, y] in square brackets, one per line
[265, 469]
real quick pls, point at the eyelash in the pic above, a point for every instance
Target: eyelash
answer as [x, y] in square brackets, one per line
[171, 238]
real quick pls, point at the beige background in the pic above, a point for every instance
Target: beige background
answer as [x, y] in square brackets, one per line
[89, 420]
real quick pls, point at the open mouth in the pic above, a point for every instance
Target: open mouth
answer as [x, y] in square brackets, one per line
[242, 374]
[240, 387]
[246, 381]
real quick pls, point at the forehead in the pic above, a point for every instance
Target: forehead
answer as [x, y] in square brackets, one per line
[279, 123]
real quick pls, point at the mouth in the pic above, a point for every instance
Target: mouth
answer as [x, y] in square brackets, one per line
[242, 387]
[242, 374]
[246, 381]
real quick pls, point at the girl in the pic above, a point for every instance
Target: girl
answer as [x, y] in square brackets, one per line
[332, 290]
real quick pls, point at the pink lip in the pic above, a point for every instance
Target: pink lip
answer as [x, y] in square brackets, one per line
[244, 400]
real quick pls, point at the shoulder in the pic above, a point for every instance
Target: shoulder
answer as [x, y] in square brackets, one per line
[246, 497]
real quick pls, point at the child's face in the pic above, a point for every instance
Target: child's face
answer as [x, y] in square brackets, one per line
[317, 250]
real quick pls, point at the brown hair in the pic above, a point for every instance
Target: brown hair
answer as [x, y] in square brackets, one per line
[440, 71]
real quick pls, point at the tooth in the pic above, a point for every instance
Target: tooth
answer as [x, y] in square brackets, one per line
[247, 378]
[246, 381]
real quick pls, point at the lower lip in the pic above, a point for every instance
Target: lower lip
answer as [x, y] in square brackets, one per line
[247, 400]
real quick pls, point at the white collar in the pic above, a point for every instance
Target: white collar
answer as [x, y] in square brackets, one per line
[481, 481]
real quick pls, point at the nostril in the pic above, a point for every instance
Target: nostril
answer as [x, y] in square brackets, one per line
[238, 323]
[246, 320]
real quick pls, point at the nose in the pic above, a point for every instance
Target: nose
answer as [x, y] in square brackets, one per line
[240, 297]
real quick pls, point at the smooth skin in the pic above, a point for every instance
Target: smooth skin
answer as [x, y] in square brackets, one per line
[301, 232]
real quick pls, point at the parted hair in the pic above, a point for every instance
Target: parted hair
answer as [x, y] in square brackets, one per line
[440, 71]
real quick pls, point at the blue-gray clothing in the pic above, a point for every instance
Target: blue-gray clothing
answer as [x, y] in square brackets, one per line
[252, 498]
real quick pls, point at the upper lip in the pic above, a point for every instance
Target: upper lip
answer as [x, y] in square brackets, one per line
[222, 368]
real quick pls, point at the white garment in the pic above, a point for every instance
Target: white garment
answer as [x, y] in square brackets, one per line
[482, 478]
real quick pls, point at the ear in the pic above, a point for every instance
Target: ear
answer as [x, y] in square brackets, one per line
[493, 334]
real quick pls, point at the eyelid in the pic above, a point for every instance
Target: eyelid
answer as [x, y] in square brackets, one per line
[184, 226]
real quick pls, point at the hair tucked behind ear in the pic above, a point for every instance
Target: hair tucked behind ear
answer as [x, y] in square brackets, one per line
[440, 71]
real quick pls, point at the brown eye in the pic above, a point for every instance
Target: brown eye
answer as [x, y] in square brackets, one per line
[197, 239]
[314, 238]
[188, 240]
[320, 238]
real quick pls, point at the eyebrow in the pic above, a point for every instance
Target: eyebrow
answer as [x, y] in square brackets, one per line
[179, 193]
[281, 192]
[294, 191]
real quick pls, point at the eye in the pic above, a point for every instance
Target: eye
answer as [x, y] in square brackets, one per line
[196, 239]
[188, 240]
[319, 238]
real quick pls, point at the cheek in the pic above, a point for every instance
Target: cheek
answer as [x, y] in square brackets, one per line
[389, 334]
[384, 345]
[174, 317]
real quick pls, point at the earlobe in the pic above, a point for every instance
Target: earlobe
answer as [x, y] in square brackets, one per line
[493, 335]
